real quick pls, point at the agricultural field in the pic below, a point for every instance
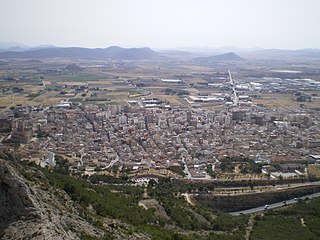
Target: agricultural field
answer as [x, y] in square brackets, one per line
[277, 101]
[314, 170]
[90, 81]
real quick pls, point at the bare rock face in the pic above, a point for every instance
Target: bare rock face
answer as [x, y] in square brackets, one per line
[32, 209]
[29, 212]
[156, 206]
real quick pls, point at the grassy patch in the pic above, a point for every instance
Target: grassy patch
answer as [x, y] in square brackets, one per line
[74, 78]
[313, 224]
[32, 96]
[280, 227]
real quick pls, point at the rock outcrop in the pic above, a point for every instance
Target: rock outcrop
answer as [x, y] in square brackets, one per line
[29, 212]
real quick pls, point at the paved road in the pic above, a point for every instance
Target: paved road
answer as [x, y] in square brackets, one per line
[245, 190]
[49, 161]
[112, 162]
[274, 205]
[9, 106]
[81, 157]
[235, 96]
[186, 169]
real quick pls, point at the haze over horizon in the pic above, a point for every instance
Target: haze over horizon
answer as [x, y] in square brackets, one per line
[162, 24]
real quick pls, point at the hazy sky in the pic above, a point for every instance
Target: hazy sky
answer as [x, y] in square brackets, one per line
[288, 24]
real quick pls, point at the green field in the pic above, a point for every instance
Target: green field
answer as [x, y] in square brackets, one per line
[74, 78]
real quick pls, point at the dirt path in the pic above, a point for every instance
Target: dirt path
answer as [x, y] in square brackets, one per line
[188, 198]
[249, 227]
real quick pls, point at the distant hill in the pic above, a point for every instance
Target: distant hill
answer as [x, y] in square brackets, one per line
[227, 57]
[112, 52]
[231, 56]
[136, 54]
[12, 46]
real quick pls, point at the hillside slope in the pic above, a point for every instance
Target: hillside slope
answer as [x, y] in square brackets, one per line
[35, 210]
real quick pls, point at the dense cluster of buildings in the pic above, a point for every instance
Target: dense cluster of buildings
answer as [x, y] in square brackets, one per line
[135, 139]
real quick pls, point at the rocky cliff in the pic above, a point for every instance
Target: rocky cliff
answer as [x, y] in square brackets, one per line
[29, 212]
[32, 209]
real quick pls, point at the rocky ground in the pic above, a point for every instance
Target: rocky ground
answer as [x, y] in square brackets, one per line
[32, 209]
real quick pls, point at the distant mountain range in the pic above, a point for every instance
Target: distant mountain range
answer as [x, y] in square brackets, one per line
[112, 52]
[204, 56]
[283, 54]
